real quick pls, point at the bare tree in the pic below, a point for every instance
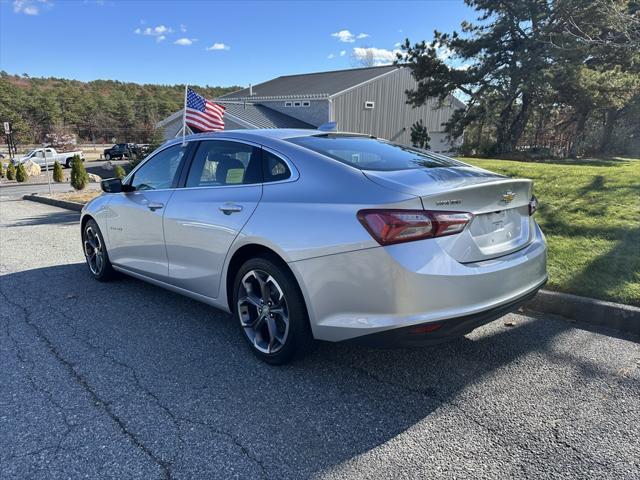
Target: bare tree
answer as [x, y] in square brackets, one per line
[363, 57]
[623, 24]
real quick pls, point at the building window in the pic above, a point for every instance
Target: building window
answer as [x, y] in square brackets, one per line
[296, 104]
[306, 103]
[287, 104]
[369, 105]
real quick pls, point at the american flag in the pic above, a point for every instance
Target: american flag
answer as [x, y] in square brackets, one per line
[203, 114]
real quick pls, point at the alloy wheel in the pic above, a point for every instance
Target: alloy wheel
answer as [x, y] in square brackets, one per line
[93, 250]
[263, 311]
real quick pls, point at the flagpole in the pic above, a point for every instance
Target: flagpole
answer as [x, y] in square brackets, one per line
[184, 117]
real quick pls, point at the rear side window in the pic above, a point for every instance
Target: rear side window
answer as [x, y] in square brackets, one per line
[220, 163]
[373, 154]
[274, 169]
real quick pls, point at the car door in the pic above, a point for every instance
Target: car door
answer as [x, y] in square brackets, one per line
[49, 159]
[38, 158]
[134, 222]
[222, 190]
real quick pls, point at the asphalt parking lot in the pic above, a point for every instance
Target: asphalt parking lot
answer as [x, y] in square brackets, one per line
[126, 380]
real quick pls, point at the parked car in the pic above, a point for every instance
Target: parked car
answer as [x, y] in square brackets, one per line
[306, 235]
[121, 150]
[37, 155]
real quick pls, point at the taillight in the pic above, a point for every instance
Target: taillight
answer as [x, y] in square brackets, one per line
[533, 205]
[397, 226]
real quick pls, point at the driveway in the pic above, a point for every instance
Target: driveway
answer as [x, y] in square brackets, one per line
[126, 380]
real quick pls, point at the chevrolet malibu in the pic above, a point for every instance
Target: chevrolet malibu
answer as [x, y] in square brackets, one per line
[304, 235]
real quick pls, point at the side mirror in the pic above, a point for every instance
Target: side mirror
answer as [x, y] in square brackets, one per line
[114, 185]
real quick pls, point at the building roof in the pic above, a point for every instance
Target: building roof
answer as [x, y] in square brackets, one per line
[311, 85]
[250, 116]
[259, 116]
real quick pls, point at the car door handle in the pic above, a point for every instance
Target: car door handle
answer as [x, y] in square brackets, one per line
[229, 208]
[153, 206]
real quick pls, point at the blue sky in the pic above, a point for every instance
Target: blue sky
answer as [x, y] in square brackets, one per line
[205, 42]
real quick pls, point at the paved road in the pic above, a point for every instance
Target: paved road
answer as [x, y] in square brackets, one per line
[125, 380]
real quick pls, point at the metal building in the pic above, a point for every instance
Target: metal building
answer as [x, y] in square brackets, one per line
[369, 100]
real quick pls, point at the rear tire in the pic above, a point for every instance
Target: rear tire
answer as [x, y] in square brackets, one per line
[68, 162]
[269, 305]
[95, 252]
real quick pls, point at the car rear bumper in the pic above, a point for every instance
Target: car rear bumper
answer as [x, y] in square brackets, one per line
[432, 333]
[399, 287]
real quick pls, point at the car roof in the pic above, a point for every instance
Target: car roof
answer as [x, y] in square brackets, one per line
[256, 135]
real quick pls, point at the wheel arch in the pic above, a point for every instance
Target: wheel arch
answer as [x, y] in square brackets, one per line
[83, 221]
[252, 250]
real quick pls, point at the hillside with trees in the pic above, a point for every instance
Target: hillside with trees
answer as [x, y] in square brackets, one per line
[548, 78]
[96, 111]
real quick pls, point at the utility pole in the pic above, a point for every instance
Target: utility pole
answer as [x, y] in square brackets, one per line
[46, 165]
[7, 134]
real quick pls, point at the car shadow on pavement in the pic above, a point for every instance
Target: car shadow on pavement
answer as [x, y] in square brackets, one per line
[177, 374]
[63, 217]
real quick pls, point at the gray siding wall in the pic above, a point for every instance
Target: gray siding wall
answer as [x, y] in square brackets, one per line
[391, 118]
[316, 114]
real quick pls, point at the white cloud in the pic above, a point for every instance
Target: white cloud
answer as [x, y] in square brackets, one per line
[397, 44]
[157, 31]
[347, 37]
[29, 7]
[160, 38]
[183, 27]
[185, 42]
[330, 56]
[344, 36]
[343, 53]
[219, 46]
[379, 56]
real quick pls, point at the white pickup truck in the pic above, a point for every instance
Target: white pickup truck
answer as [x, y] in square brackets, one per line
[37, 156]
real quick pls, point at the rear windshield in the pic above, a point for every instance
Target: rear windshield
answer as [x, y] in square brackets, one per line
[373, 154]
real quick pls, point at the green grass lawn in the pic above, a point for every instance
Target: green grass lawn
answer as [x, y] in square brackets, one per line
[590, 214]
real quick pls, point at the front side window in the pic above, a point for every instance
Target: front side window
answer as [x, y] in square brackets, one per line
[159, 172]
[274, 168]
[220, 163]
[372, 154]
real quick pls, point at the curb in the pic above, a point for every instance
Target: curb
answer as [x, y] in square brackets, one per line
[54, 202]
[624, 318]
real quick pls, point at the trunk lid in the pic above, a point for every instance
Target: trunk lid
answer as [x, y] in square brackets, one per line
[501, 223]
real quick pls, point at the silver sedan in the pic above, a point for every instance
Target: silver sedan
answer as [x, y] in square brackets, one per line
[304, 235]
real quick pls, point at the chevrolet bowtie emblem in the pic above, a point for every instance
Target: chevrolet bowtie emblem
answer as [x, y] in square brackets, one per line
[508, 196]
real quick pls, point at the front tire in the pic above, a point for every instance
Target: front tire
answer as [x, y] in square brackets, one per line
[68, 162]
[107, 156]
[270, 308]
[95, 252]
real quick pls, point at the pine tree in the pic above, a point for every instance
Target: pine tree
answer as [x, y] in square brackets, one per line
[21, 173]
[11, 172]
[79, 177]
[58, 176]
[119, 172]
[420, 135]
